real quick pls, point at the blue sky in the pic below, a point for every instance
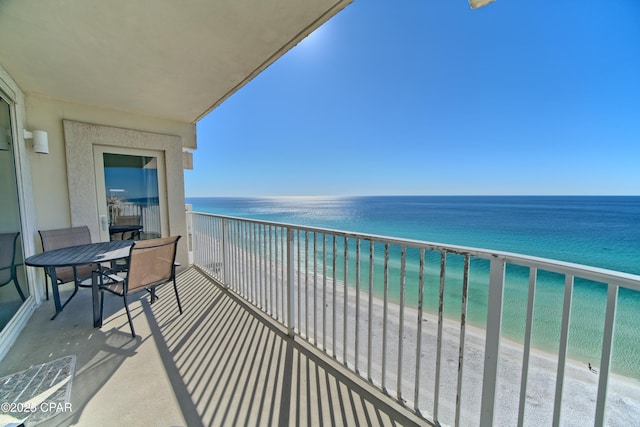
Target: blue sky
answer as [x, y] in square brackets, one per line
[432, 97]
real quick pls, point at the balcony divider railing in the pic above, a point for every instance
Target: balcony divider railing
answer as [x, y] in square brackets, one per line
[424, 322]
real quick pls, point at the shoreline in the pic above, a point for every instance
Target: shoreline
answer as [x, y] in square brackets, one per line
[579, 384]
[479, 330]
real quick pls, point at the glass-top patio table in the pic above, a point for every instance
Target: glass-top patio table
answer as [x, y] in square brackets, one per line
[101, 252]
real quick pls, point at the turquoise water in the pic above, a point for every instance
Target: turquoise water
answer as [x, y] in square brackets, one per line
[597, 231]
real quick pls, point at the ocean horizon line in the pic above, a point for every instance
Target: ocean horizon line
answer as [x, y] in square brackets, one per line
[406, 195]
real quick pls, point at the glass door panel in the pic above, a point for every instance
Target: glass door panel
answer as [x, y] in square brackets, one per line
[130, 186]
[13, 281]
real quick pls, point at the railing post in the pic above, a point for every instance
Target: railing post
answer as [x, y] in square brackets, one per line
[189, 211]
[225, 257]
[607, 351]
[563, 347]
[492, 342]
[290, 284]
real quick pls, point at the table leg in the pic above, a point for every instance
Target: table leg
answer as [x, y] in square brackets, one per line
[97, 319]
[55, 291]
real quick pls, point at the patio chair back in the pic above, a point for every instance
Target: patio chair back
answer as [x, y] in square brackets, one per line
[127, 220]
[63, 238]
[151, 262]
[8, 261]
[7, 256]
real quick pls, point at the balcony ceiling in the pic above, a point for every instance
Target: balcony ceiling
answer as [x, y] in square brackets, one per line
[165, 58]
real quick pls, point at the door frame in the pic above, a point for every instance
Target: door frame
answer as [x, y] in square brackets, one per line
[79, 141]
[14, 96]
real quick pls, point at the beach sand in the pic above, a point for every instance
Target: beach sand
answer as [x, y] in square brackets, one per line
[579, 387]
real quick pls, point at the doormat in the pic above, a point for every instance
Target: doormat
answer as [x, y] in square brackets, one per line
[38, 393]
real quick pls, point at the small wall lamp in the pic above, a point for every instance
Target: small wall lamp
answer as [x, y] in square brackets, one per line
[40, 140]
[187, 160]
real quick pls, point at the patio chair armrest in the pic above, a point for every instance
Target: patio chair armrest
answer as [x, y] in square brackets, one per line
[109, 274]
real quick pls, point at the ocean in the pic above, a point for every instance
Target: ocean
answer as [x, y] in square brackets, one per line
[599, 231]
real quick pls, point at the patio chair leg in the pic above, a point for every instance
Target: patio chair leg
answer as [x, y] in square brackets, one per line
[15, 282]
[126, 306]
[101, 305]
[154, 296]
[75, 291]
[175, 288]
[46, 285]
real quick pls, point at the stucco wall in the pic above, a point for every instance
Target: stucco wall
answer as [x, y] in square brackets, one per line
[55, 206]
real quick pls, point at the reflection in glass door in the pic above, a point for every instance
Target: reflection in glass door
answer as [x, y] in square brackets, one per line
[132, 194]
[13, 281]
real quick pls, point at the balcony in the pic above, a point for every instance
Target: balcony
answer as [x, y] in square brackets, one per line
[287, 325]
[221, 363]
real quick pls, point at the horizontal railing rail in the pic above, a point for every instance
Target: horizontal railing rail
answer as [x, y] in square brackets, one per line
[425, 322]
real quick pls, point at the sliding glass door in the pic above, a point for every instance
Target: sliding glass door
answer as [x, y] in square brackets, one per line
[14, 288]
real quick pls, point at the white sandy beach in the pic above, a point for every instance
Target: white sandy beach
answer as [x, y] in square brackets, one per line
[580, 384]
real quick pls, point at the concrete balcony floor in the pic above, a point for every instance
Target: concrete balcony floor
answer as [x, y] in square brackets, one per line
[220, 363]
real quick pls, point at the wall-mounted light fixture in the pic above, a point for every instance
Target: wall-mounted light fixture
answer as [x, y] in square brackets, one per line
[40, 140]
[5, 139]
[187, 160]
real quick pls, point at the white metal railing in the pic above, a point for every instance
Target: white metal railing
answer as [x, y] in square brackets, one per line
[395, 311]
[151, 220]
